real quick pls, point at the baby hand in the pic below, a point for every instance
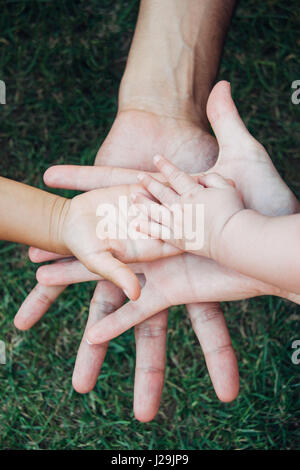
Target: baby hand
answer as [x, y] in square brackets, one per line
[193, 212]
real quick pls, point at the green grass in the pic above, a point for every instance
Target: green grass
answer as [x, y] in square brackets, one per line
[62, 62]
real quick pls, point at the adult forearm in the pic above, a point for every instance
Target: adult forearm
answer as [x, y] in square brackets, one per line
[174, 56]
[31, 216]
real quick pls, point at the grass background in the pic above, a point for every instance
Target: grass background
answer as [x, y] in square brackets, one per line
[62, 62]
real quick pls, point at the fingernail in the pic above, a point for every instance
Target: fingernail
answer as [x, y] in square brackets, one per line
[140, 176]
[88, 342]
[126, 293]
[157, 158]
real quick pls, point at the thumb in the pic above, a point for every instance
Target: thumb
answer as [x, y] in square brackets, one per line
[224, 118]
[104, 264]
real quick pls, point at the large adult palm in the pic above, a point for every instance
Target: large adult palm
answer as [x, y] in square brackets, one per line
[133, 140]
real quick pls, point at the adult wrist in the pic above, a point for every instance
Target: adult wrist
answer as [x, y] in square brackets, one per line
[174, 57]
[157, 97]
[161, 67]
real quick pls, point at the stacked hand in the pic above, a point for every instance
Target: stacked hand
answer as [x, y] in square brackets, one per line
[103, 245]
[133, 140]
[172, 220]
[137, 135]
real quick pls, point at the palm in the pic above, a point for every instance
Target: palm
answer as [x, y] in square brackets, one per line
[136, 136]
[255, 175]
[245, 160]
[91, 241]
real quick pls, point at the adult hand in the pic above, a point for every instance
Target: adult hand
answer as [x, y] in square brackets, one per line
[243, 159]
[163, 280]
[160, 103]
[135, 137]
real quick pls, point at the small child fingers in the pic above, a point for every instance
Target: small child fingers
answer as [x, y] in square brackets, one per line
[180, 181]
[152, 210]
[160, 191]
[213, 180]
[154, 230]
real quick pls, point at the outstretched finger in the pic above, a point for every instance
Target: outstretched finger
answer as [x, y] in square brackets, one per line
[151, 339]
[106, 299]
[36, 304]
[86, 178]
[224, 117]
[56, 274]
[211, 330]
[40, 256]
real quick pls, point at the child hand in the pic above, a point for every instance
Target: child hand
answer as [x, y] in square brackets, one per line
[88, 241]
[193, 212]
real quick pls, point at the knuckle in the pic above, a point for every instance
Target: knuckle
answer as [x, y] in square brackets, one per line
[103, 305]
[210, 313]
[43, 298]
[206, 313]
[220, 349]
[150, 370]
[151, 331]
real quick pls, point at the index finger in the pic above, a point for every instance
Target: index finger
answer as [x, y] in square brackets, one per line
[87, 178]
[210, 327]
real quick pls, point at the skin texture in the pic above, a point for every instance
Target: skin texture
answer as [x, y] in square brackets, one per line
[163, 221]
[174, 57]
[207, 281]
[208, 323]
[154, 116]
[136, 136]
[97, 247]
[220, 101]
[70, 227]
[251, 243]
[154, 132]
[32, 216]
